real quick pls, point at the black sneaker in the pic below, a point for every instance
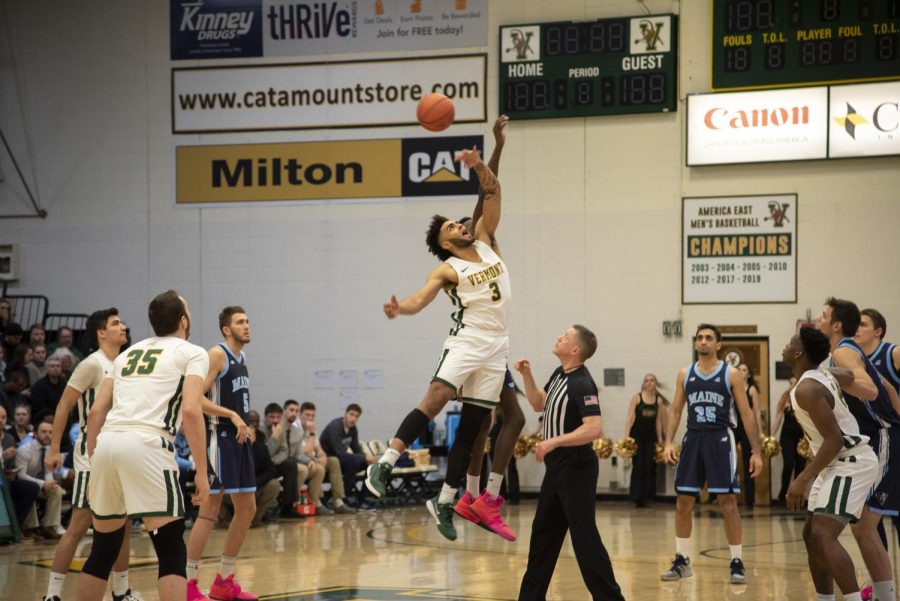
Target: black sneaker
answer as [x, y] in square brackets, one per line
[737, 572]
[681, 568]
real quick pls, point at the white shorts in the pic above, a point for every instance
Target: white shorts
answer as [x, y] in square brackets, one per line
[842, 488]
[134, 474]
[82, 477]
[473, 363]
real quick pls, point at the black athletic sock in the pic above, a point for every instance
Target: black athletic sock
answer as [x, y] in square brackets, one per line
[412, 426]
[466, 433]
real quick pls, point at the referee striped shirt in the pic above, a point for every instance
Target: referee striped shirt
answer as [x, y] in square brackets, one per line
[570, 398]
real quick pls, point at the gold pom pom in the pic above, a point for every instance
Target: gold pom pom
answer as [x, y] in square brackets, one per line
[658, 453]
[770, 446]
[603, 447]
[521, 448]
[626, 447]
[803, 449]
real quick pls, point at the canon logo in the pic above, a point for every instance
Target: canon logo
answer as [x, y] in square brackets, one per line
[722, 118]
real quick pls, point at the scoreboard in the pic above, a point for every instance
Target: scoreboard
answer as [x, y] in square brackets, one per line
[582, 69]
[782, 43]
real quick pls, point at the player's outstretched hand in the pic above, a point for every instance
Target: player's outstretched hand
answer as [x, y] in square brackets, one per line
[755, 465]
[523, 366]
[392, 307]
[669, 454]
[500, 129]
[469, 158]
[201, 490]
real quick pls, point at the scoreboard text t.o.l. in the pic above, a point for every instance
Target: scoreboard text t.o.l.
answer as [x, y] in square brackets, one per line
[605, 67]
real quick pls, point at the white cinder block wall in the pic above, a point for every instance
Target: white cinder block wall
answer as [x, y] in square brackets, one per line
[591, 226]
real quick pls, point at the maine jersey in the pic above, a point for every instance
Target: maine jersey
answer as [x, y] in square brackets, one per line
[148, 380]
[854, 442]
[709, 400]
[871, 415]
[231, 389]
[883, 361]
[86, 379]
[481, 299]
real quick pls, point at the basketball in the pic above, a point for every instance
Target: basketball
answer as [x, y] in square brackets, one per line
[435, 112]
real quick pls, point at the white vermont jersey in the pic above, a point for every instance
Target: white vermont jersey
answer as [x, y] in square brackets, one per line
[86, 379]
[481, 299]
[854, 442]
[148, 381]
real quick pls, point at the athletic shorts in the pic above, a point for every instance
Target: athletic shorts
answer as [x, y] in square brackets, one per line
[841, 489]
[230, 465]
[134, 474]
[473, 363]
[707, 457]
[82, 465]
[885, 499]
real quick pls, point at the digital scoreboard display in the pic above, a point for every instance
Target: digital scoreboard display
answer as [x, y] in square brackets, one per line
[781, 43]
[582, 69]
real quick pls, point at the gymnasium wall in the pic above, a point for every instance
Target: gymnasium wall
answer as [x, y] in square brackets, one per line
[591, 223]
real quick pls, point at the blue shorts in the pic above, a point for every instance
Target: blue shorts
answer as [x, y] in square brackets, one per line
[707, 457]
[886, 498]
[230, 466]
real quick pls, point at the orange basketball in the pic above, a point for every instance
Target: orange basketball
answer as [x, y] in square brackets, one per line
[435, 112]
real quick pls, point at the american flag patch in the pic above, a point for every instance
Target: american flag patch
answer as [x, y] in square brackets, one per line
[591, 400]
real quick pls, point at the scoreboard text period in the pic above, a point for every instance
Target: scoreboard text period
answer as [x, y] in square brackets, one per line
[582, 69]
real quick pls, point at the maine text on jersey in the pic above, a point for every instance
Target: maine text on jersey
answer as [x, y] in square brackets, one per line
[486, 275]
[706, 396]
[239, 383]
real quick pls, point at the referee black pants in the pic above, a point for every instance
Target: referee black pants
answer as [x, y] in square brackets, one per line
[566, 504]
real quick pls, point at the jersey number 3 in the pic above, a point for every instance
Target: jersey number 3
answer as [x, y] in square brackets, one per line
[496, 290]
[142, 362]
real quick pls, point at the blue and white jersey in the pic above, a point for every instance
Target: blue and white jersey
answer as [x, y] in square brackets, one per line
[231, 389]
[871, 415]
[709, 399]
[883, 361]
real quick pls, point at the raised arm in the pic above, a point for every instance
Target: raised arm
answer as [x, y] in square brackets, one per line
[537, 397]
[862, 386]
[441, 276]
[486, 227]
[674, 417]
[751, 424]
[494, 162]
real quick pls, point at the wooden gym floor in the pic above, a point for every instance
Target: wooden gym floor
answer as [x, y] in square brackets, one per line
[398, 554]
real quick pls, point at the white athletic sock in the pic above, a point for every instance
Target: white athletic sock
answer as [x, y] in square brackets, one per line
[821, 597]
[120, 582]
[338, 502]
[682, 546]
[448, 494]
[857, 596]
[473, 483]
[54, 587]
[735, 551]
[390, 457]
[493, 485]
[883, 590]
[193, 566]
[227, 566]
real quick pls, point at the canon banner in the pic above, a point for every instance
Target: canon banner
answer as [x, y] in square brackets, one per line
[254, 28]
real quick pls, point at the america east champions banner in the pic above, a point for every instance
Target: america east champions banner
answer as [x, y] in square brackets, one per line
[340, 169]
[204, 29]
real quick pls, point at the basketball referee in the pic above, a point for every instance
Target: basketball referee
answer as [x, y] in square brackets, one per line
[571, 416]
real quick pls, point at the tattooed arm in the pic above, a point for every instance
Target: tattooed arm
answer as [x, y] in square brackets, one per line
[494, 162]
[490, 217]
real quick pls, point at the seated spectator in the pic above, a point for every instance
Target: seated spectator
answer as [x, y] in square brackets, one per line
[14, 392]
[340, 439]
[285, 465]
[319, 462]
[5, 316]
[64, 339]
[36, 335]
[46, 392]
[30, 465]
[21, 356]
[36, 369]
[267, 484]
[186, 472]
[12, 337]
[21, 429]
[67, 359]
[23, 492]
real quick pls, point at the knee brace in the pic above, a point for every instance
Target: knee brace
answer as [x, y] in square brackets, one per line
[104, 552]
[170, 549]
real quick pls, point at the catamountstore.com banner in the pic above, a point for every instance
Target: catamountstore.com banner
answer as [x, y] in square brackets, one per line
[324, 170]
[324, 95]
